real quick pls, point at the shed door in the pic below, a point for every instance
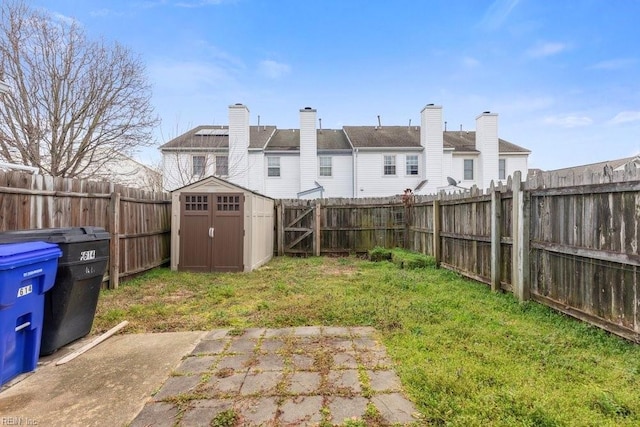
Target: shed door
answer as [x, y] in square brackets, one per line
[211, 232]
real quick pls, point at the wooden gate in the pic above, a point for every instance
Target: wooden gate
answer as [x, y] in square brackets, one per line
[211, 232]
[298, 228]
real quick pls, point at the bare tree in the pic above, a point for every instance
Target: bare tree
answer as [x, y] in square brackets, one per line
[73, 101]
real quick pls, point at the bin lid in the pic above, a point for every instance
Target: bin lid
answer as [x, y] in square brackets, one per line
[18, 254]
[56, 235]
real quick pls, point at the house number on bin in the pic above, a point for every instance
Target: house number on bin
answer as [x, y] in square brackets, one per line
[25, 290]
[87, 255]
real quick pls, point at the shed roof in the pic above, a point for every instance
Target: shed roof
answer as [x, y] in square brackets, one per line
[213, 178]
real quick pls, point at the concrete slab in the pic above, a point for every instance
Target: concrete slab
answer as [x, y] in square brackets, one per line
[344, 382]
[345, 361]
[344, 408]
[271, 345]
[157, 414]
[108, 385]
[201, 412]
[196, 364]
[302, 362]
[226, 385]
[211, 346]
[268, 362]
[243, 346]
[394, 408]
[336, 331]
[304, 382]
[384, 381]
[258, 411]
[262, 382]
[307, 331]
[175, 386]
[301, 411]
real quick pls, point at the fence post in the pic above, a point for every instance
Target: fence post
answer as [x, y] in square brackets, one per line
[114, 243]
[436, 232]
[496, 236]
[520, 252]
[280, 227]
[316, 230]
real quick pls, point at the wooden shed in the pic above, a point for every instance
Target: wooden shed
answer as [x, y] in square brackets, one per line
[220, 226]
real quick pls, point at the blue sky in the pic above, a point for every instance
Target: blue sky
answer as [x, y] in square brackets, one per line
[562, 75]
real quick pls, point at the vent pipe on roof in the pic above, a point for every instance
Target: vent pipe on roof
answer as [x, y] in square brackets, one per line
[258, 121]
[320, 124]
[379, 123]
[460, 127]
[409, 124]
[445, 125]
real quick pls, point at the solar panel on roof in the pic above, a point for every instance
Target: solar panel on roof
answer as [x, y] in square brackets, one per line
[210, 132]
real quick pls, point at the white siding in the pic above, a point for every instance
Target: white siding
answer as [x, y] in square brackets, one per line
[457, 169]
[515, 162]
[371, 181]
[308, 150]
[340, 184]
[431, 138]
[177, 168]
[257, 171]
[447, 166]
[287, 185]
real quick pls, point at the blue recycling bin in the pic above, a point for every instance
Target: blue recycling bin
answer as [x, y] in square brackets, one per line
[27, 271]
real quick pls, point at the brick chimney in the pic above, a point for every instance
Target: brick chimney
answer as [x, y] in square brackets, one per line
[308, 149]
[239, 144]
[431, 138]
[487, 144]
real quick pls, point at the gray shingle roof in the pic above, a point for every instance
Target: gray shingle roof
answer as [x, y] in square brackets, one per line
[258, 136]
[466, 141]
[289, 139]
[333, 139]
[383, 136]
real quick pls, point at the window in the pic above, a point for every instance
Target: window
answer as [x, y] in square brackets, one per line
[222, 165]
[228, 203]
[196, 203]
[198, 163]
[412, 165]
[273, 166]
[468, 169]
[389, 165]
[325, 165]
[502, 169]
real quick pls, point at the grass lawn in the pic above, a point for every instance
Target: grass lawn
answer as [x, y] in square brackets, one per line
[465, 355]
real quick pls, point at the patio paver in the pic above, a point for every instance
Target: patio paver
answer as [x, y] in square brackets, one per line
[292, 376]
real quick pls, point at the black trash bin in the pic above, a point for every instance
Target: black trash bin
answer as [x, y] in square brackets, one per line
[70, 305]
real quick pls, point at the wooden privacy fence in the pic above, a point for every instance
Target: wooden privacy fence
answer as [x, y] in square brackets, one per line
[138, 221]
[338, 226]
[569, 243]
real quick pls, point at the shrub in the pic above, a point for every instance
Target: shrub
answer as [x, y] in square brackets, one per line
[378, 254]
[411, 260]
